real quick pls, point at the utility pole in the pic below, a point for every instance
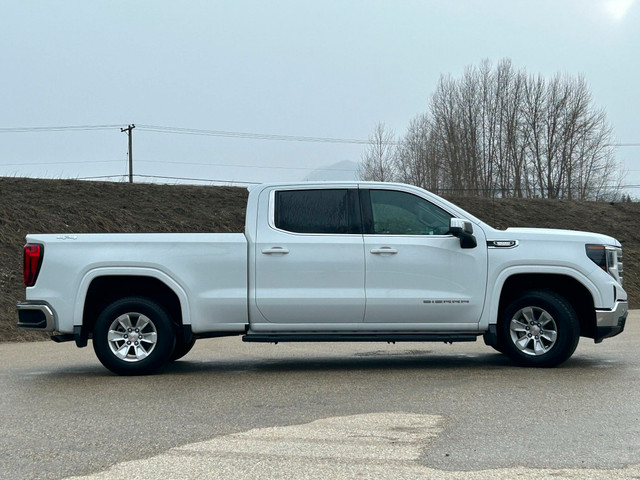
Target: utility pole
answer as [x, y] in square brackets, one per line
[129, 130]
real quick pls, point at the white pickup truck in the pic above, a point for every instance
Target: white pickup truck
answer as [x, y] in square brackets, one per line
[352, 261]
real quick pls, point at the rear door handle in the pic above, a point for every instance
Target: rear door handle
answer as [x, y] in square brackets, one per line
[269, 251]
[383, 250]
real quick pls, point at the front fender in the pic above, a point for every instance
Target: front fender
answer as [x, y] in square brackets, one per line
[493, 295]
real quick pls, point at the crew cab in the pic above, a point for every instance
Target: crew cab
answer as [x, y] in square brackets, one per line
[347, 261]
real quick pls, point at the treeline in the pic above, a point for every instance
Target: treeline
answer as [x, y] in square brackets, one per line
[498, 131]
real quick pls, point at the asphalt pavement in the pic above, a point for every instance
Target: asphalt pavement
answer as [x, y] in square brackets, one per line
[323, 410]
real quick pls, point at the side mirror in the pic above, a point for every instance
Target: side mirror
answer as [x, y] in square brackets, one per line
[464, 231]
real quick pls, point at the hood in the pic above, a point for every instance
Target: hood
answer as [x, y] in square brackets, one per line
[556, 234]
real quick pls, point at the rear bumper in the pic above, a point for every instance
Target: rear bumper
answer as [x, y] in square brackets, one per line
[36, 316]
[610, 323]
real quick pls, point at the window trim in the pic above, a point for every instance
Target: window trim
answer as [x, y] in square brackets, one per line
[367, 214]
[353, 201]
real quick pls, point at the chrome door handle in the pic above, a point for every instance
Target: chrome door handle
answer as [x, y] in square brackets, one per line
[269, 251]
[383, 250]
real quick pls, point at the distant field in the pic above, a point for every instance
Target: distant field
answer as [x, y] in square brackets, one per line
[69, 206]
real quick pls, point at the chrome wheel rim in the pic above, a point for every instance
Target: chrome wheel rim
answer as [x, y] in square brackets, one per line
[533, 331]
[132, 337]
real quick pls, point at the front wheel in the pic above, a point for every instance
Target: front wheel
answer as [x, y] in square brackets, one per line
[181, 349]
[133, 336]
[539, 329]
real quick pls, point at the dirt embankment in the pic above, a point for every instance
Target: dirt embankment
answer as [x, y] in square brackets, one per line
[68, 206]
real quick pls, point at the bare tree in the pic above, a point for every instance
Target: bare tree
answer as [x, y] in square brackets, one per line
[378, 162]
[417, 160]
[498, 131]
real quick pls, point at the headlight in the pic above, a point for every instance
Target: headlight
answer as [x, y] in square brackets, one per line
[608, 258]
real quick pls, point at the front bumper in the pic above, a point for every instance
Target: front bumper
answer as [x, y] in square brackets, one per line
[36, 316]
[610, 323]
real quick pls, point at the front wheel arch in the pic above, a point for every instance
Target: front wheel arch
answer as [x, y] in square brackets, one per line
[571, 289]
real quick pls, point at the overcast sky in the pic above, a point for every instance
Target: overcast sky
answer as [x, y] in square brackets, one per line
[294, 68]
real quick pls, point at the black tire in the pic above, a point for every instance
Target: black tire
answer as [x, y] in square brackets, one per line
[181, 349]
[120, 323]
[539, 329]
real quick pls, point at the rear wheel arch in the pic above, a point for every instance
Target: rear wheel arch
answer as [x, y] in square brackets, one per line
[106, 289]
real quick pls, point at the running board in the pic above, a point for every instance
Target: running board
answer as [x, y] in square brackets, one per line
[359, 337]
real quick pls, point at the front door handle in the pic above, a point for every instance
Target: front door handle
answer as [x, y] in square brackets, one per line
[383, 250]
[269, 251]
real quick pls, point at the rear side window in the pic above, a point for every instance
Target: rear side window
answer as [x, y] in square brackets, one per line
[317, 211]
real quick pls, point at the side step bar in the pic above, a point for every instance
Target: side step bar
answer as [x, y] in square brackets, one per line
[359, 337]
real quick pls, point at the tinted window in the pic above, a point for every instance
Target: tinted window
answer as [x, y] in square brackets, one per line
[316, 211]
[400, 213]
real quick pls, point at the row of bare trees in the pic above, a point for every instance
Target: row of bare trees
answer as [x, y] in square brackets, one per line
[498, 131]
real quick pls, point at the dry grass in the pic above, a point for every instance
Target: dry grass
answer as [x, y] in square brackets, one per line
[67, 206]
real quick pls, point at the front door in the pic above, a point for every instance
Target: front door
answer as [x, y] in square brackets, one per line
[415, 271]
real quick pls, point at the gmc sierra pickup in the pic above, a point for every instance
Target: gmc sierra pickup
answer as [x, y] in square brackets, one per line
[349, 261]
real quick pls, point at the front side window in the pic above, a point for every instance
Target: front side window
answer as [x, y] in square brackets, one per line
[316, 211]
[401, 213]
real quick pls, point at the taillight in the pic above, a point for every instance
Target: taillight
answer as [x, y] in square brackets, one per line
[33, 254]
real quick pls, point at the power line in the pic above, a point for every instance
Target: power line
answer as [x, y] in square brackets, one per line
[162, 162]
[217, 133]
[197, 179]
[244, 166]
[189, 131]
[125, 175]
[56, 163]
[57, 129]
[248, 135]
[443, 189]
[100, 176]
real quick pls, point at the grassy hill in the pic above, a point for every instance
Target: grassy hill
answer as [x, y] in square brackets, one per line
[69, 206]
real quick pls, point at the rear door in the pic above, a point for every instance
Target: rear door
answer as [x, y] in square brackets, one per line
[309, 262]
[416, 272]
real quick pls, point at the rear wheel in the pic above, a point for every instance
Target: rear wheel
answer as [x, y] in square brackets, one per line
[133, 336]
[539, 329]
